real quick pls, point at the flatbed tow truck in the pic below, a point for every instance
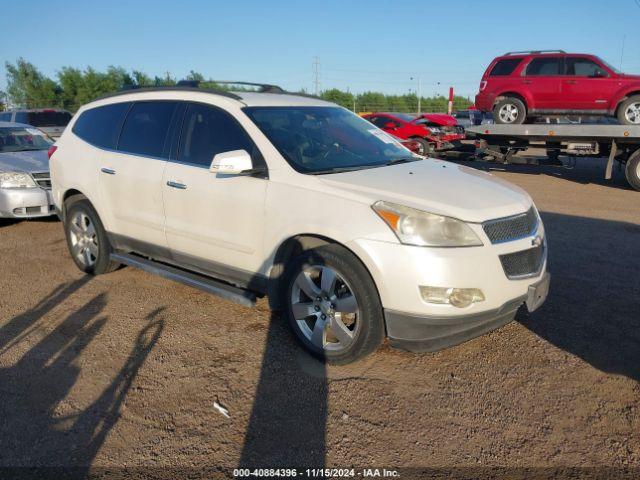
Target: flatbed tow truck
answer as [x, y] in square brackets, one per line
[619, 143]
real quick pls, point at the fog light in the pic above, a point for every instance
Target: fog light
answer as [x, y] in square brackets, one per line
[458, 297]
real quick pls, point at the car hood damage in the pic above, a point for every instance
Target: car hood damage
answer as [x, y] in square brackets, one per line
[438, 187]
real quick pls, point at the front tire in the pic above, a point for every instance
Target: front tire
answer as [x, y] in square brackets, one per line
[632, 170]
[510, 111]
[333, 305]
[426, 148]
[87, 239]
[629, 111]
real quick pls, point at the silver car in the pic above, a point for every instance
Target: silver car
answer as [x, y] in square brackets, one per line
[25, 183]
[51, 121]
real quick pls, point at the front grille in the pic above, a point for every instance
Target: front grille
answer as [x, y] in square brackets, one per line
[523, 264]
[511, 228]
[43, 179]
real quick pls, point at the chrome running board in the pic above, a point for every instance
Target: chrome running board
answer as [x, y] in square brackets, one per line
[201, 282]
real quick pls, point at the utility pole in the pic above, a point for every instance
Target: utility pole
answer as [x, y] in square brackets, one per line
[419, 93]
[316, 75]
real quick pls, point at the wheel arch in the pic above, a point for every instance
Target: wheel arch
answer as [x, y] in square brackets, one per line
[292, 247]
[517, 95]
[623, 98]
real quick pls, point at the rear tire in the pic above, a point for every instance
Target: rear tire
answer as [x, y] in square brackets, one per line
[333, 305]
[629, 111]
[632, 170]
[87, 239]
[510, 111]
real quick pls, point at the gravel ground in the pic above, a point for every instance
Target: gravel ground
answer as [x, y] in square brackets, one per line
[124, 369]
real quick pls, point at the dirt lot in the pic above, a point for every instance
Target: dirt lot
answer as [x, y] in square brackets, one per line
[124, 369]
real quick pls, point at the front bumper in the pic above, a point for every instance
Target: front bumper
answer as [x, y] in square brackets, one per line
[431, 333]
[26, 203]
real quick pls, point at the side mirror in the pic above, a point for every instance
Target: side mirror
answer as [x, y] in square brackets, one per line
[232, 163]
[390, 126]
[599, 74]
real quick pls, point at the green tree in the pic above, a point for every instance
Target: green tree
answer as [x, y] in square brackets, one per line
[28, 88]
[344, 99]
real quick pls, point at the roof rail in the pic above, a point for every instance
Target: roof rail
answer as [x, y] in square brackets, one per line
[527, 52]
[136, 89]
[264, 87]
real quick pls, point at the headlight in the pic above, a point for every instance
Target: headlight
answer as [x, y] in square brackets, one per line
[415, 227]
[16, 180]
[435, 130]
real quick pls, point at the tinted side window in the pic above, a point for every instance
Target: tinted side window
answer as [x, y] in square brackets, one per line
[505, 67]
[100, 126]
[378, 121]
[582, 67]
[21, 117]
[5, 117]
[544, 66]
[145, 128]
[207, 131]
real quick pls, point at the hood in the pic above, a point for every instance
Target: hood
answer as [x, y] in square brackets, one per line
[629, 76]
[32, 161]
[439, 118]
[437, 187]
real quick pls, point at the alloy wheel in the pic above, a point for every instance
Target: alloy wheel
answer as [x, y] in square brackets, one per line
[84, 239]
[508, 113]
[325, 308]
[632, 113]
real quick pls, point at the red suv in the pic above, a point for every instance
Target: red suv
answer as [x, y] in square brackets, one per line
[520, 86]
[431, 131]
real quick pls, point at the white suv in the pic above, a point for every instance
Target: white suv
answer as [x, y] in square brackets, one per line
[252, 193]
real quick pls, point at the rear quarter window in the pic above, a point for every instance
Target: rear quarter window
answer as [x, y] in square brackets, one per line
[100, 126]
[505, 67]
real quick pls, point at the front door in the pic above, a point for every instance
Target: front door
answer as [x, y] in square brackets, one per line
[587, 85]
[214, 223]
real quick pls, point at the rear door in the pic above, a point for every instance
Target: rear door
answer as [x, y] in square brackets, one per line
[587, 85]
[214, 222]
[131, 177]
[542, 78]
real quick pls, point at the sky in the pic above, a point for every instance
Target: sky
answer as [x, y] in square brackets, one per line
[361, 45]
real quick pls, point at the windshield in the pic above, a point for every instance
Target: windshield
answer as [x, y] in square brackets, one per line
[20, 139]
[327, 139]
[407, 117]
[609, 66]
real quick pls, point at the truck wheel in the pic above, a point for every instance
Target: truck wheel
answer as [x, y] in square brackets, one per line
[426, 148]
[86, 237]
[333, 305]
[510, 111]
[632, 170]
[629, 111]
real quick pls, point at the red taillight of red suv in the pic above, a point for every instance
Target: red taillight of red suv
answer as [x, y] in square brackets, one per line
[51, 151]
[483, 85]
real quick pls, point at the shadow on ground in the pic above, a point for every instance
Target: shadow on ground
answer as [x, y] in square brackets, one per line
[593, 309]
[31, 433]
[289, 416]
[583, 170]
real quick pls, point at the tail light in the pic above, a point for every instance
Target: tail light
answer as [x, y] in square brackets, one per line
[51, 151]
[483, 85]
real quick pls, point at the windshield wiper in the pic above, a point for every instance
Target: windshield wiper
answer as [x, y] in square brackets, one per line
[340, 170]
[402, 160]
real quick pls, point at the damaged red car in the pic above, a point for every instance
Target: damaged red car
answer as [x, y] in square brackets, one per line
[431, 131]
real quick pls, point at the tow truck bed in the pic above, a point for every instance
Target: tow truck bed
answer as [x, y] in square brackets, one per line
[617, 142]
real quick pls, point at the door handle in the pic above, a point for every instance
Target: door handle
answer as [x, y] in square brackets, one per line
[108, 171]
[571, 82]
[179, 186]
[527, 82]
